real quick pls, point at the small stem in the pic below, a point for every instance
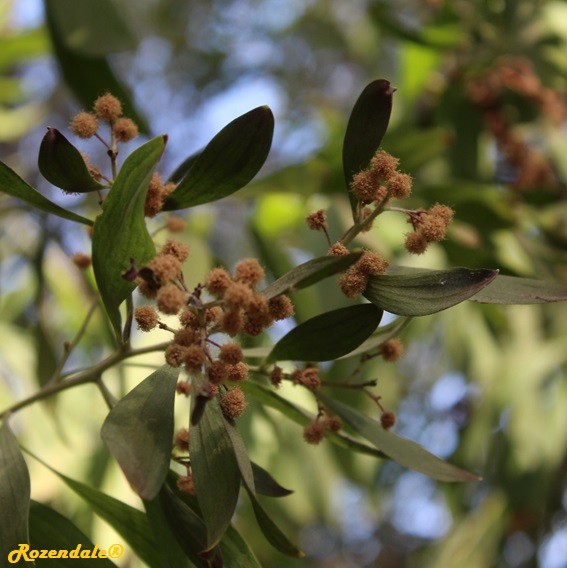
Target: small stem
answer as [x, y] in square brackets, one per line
[109, 398]
[127, 331]
[361, 225]
[346, 385]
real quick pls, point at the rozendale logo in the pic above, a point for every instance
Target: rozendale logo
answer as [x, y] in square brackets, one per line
[27, 554]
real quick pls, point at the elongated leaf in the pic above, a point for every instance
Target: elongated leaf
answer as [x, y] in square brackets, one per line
[235, 551]
[244, 463]
[61, 164]
[379, 337]
[131, 524]
[120, 233]
[404, 451]
[310, 273]
[12, 184]
[268, 397]
[366, 127]
[329, 335]
[50, 530]
[513, 290]
[420, 292]
[91, 27]
[180, 532]
[228, 162]
[271, 531]
[138, 431]
[88, 77]
[265, 484]
[14, 493]
[182, 170]
[215, 472]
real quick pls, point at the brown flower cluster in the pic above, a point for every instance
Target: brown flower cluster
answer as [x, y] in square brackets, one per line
[429, 226]
[488, 92]
[158, 191]
[381, 181]
[354, 280]
[106, 108]
[314, 432]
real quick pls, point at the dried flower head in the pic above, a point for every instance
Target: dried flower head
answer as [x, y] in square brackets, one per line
[175, 354]
[388, 419]
[182, 440]
[333, 423]
[176, 224]
[276, 376]
[365, 186]
[217, 372]
[84, 125]
[176, 249]
[107, 107]
[185, 484]
[317, 220]
[146, 317]
[416, 243]
[233, 403]
[124, 129]
[309, 378]
[237, 295]
[352, 282]
[217, 281]
[371, 264]
[338, 249]
[170, 299]
[237, 372]
[280, 307]
[81, 261]
[230, 353]
[399, 185]
[313, 433]
[164, 268]
[392, 350]
[383, 164]
[248, 271]
[194, 358]
[232, 322]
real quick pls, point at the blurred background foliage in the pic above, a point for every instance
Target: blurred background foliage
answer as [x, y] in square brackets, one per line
[479, 120]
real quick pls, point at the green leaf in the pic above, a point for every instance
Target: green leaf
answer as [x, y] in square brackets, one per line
[379, 337]
[131, 524]
[513, 290]
[404, 451]
[14, 493]
[228, 162]
[366, 127]
[268, 397]
[309, 273]
[419, 292]
[91, 27]
[12, 184]
[61, 164]
[180, 532]
[215, 472]
[271, 531]
[120, 232]
[235, 551]
[244, 464]
[265, 484]
[138, 431]
[329, 335]
[88, 77]
[49, 530]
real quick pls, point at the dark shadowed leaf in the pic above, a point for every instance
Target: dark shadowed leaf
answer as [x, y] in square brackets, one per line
[244, 463]
[180, 532]
[513, 290]
[265, 484]
[91, 27]
[138, 431]
[329, 335]
[419, 292]
[130, 523]
[61, 164]
[366, 127]
[404, 451]
[310, 272]
[235, 551]
[12, 184]
[215, 472]
[228, 162]
[268, 397]
[120, 233]
[181, 171]
[14, 493]
[271, 531]
[88, 77]
[49, 530]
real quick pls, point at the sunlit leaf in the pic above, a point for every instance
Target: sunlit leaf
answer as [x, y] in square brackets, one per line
[310, 273]
[228, 162]
[130, 523]
[138, 431]
[268, 397]
[12, 184]
[271, 531]
[404, 451]
[61, 164]
[91, 27]
[49, 530]
[366, 127]
[120, 234]
[215, 472]
[329, 335]
[14, 493]
[88, 77]
[265, 484]
[419, 292]
[514, 290]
